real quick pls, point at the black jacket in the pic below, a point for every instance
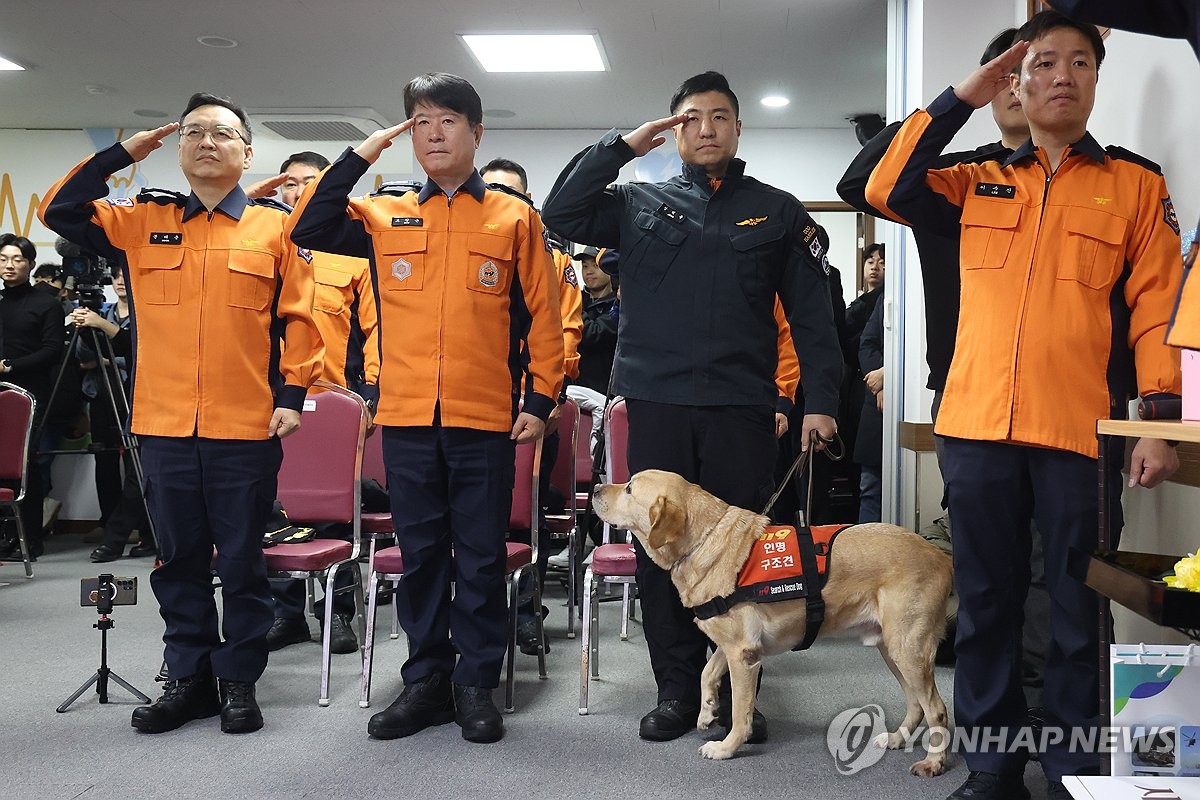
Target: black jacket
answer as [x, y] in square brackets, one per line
[599, 343]
[938, 250]
[700, 270]
[868, 446]
[32, 338]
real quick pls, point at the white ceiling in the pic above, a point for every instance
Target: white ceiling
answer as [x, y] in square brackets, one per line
[826, 55]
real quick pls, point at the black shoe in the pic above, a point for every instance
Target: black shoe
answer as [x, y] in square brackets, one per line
[758, 723]
[10, 548]
[341, 634]
[106, 552]
[990, 786]
[527, 637]
[421, 704]
[142, 549]
[287, 630]
[1056, 791]
[183, 700]
[477, 715]
[672, 719]
[239, 709]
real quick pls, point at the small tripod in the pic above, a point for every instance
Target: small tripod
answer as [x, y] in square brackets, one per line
[104, 605]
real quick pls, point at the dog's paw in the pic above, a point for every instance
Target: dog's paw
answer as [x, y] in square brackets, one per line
[708, 715]
[889, 741]
[929, 767]
[716, 750]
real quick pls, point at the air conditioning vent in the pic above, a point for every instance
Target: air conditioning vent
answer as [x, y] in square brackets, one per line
[317, 131]
[317, 124]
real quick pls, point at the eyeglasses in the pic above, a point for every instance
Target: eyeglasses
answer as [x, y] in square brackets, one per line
[221, 134]
[16, 261]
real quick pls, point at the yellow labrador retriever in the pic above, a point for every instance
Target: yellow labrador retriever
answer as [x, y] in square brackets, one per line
[885, 584]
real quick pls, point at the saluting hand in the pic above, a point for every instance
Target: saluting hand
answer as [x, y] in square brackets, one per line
[143, 143]
[981, 86]
[266, 187]
[374, 145]
[647, 137]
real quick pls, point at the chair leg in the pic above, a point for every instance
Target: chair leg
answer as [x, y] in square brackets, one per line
[512, 639]
[571, 601]
[626, 612]
[16, 508]
[586, 631]
[330, 576]
[541, 625]
[364, 700]
[395, 634]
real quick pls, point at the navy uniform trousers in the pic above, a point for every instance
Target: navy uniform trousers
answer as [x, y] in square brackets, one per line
[206, 493]
[730, 452]
[995, 490]
[451, 488]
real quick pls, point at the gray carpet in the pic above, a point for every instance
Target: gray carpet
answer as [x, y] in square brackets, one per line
[49, 648]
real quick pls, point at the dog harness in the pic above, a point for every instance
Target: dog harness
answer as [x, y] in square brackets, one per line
[785, 563]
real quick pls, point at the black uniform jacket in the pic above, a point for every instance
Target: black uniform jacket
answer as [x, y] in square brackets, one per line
[699, 273]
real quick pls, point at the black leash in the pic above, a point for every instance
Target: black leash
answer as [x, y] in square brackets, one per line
[798, 463]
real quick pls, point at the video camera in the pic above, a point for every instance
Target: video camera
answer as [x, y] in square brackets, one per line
[87, 272]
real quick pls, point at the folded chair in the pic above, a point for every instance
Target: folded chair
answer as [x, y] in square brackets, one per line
[17, 407]
[523, 513]
[612, 563]
[319, 482]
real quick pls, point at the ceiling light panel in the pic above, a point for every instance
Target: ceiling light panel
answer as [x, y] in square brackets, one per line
[536, 52]
[5, 64]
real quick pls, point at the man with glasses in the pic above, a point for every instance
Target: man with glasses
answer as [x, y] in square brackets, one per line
[31, 341]
[214, 288]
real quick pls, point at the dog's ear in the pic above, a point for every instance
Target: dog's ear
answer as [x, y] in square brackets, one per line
[666, 522]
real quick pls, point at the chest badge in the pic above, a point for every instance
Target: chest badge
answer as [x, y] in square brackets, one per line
[751, 221]
[489, 275]
[401, 269]
[159, 237]
[492, 226]
[1102, 201]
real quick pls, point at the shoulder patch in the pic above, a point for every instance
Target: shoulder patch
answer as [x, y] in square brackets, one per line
[553, 242]
[1169, 215]
[305, 253]
[500, 187]
[397, 188]
[569, 275]
[271, 203]
[119, 201]
[1121, 154]
[162, 197]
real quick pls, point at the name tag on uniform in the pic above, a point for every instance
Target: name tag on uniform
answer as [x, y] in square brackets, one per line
[166, 238]
[407, 222]
[666, 212]
[996, 190]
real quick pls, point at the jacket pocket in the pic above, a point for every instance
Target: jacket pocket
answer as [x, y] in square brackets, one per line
[1094, 248]
[489, 265]
[330, 295]
[656, 245]
[400, 260]
[758, 262]
[158, 273]
[987, 233]
[251, 279]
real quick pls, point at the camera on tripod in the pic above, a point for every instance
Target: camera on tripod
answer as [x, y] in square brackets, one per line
[87, 272]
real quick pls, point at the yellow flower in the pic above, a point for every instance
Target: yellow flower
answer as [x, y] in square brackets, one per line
[1187, 574]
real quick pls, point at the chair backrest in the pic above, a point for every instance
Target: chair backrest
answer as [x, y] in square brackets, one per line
[562, 477]
[616, 441]
[373, 466]
[583, 451]
[522, 514]
[322, 462]
[17, 407]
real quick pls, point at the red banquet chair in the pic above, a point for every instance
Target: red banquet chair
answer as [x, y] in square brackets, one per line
[17, 407]
[319, 483]
[564, 478]
[389, 566]
[612, 563]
